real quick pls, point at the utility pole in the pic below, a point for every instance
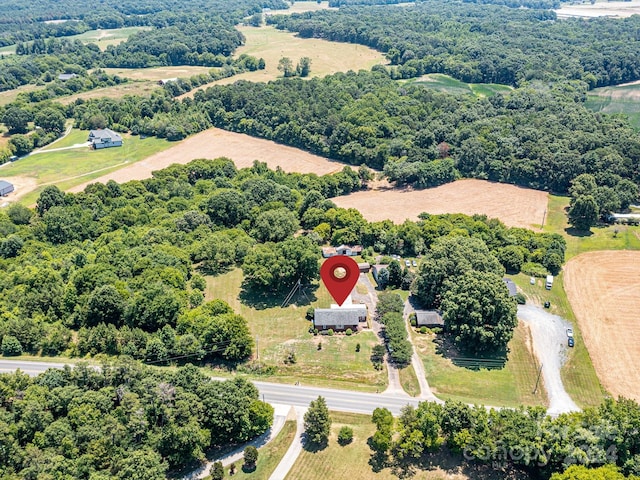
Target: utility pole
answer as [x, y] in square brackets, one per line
[543, 218]
[538, 380]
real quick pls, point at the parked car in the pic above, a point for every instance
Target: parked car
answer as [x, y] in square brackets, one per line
[415, 264]
[407, 263]
[569, 332]
[570, 341]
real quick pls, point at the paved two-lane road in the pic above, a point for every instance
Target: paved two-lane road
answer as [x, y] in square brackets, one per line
[274, 393]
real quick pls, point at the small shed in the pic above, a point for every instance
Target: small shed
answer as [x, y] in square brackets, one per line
[364, 267]
[340, 318]
[104, 138]
[6, 188]
[429, 318]
[513, 290]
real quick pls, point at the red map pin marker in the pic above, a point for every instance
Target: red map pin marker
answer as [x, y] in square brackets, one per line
[340, 274]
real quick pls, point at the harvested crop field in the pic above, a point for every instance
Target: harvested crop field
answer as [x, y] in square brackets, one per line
[604, 291]
[600, 9]
[515, 206]
[214, 143]
[157, 73]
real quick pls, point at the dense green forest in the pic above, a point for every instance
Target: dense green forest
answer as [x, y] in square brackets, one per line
[483, 43]
[123, 421]
[195, 34]
[123, 265]
[521, 443]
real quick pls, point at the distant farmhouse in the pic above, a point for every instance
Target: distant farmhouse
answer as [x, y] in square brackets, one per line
[164, 81]
[66, 76]
[104, 138]
[6, 188]
[351, 251]
[340, 318]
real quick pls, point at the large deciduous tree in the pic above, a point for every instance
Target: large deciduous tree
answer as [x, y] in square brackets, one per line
[479, 312]
[584, 213]
[450, 257]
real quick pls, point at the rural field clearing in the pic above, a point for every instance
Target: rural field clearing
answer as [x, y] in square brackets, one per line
[601, 9]
[515, 206]
[326, 57]
[604, 291]
[214, 143]
[117, 91]
[157, 73]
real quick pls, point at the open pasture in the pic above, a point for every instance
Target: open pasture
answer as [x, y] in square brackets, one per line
[326, 57]
[214, 143]
[623, 99]
[600, 9]
[157, 73]
[515, 206]
[604, 291]
[445, 83]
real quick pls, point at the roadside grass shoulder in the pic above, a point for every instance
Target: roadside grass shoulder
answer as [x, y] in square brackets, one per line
[510, 386]
[269, 456]
[279, 331]
[409, 381]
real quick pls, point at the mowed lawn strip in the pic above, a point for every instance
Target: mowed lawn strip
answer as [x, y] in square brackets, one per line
[409, 381]
[510, 386]
[279, 331]
[268, 456]
[352, 460]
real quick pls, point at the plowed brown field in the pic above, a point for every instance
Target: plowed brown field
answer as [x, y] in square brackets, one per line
[515, 206]
[604, 291]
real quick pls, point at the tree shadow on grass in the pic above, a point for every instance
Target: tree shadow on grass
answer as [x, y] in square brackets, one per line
[313, 447]
[447, 349]
[263, 299]
[574, 232]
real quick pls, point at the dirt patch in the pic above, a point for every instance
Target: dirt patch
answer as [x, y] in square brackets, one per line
[214, 143]
[22, 184]
[604, 291]
[515, 206]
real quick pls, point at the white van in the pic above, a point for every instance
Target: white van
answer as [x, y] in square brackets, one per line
[549, 283]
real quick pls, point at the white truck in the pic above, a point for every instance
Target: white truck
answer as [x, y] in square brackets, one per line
[549, 282]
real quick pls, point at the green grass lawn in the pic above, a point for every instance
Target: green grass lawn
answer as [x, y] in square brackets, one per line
[8, 50]
[281, 330]
[409, 381]
[445, 83]
[268, 456]
[75, 136]
[352, 461]
[600, 238]
[67, 168]
[511, 385]
[623, 99]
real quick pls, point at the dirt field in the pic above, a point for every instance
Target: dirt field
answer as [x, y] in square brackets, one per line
[214, 143]
[515, 206]
[601, 9]
[604, 291]
[326, 57]
[157, 73]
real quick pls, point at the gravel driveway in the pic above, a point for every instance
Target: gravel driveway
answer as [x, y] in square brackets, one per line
[549, 333]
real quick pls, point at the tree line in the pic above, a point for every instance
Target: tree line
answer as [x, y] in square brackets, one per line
[121, 421]
[482, 43]
[599, 442]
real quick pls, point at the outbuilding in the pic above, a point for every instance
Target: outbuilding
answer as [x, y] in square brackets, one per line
[429, 318]
[6, 188]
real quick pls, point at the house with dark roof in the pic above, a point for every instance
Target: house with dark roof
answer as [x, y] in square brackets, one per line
[104, 138]
[6, 188]
[340, 318]
[513, 290]
[429, 318]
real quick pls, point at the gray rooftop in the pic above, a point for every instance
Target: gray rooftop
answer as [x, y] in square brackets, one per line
[337, 316]
[4, 183]
[428, 317]
[105, 133]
